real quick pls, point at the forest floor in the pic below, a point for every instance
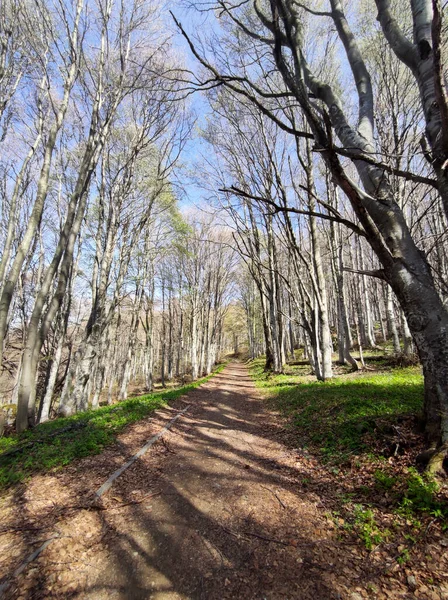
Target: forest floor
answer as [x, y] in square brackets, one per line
[227, 505]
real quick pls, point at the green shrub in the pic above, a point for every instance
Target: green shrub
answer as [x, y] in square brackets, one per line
[421, 495]
[384, 480]
[367, 528]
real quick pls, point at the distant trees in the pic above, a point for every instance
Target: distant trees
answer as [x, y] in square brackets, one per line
[93, 120]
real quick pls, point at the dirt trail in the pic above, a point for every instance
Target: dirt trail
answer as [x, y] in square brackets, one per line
[217, 509]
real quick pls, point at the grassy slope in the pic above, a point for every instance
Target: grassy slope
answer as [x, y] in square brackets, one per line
[345, 421]
[341, 421]
[334, 416]
[93, 430]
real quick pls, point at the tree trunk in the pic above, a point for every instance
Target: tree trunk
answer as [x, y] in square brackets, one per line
[408, 346]
[194, 344]
[11, 278]
[391, 324]
[46, 402]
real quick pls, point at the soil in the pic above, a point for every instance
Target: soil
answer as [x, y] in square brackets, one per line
[220, 508]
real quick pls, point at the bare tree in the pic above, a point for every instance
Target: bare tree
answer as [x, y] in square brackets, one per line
[373, 199]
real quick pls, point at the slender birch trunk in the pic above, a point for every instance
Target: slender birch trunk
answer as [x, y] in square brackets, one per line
[10, 280]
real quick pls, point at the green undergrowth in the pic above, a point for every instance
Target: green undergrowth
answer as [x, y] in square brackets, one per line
[334, 416]
[415, 503]
[345, 422]
[57, 443]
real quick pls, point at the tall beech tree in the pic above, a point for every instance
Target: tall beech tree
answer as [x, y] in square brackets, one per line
[277, 28]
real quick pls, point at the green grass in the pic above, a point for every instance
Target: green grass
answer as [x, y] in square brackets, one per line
[344, 422]
[333, 416]
[94, 430]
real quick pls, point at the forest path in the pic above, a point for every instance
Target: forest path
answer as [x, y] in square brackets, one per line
[217, 509]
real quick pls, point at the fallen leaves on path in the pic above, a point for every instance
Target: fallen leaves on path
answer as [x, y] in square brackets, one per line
[224, 507]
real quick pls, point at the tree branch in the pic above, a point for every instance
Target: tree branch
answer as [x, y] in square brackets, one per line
[316, 13]
[359, 71]
[227, 80]
[378, 273]
[403, 48]
[247, 31]
[277, 208]
[356, 155]
[440, 90]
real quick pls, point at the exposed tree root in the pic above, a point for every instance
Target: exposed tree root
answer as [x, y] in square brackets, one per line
[438, 461]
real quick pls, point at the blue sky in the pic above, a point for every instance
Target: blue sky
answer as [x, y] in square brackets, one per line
[193, 22]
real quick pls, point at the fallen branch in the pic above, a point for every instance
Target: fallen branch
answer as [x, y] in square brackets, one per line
[18, 528]
[167, 448]
[102, 490]
[238, 535]
[4, 586]
[131, 502]
[274, 494]
[108, 484]
[267, 539]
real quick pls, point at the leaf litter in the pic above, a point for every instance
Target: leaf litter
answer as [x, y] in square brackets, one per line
[224, 507]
